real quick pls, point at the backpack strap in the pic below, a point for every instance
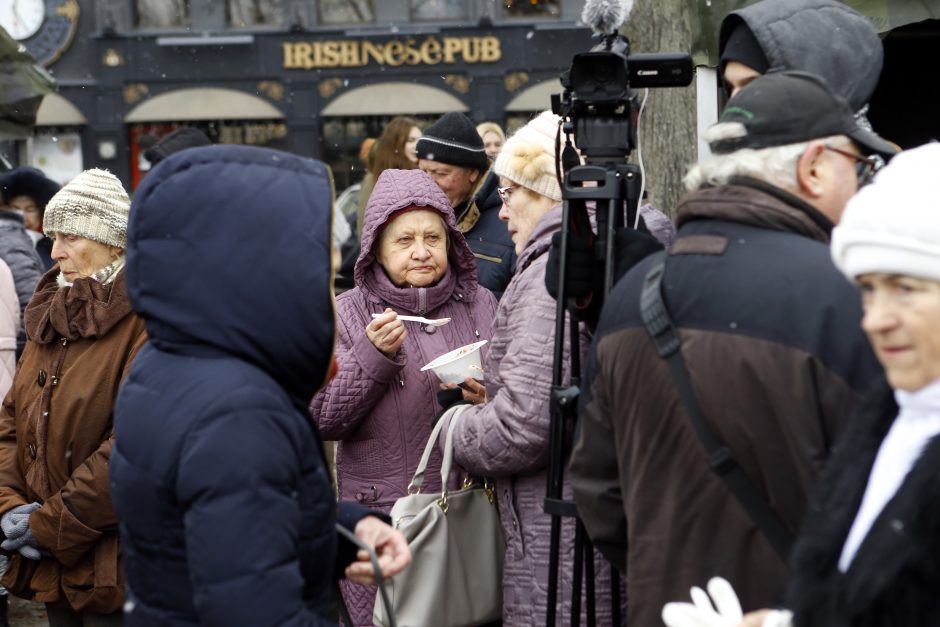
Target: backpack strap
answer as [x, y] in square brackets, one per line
[665, 335]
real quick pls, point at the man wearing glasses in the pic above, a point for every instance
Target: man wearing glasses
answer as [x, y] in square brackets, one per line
[770, 338]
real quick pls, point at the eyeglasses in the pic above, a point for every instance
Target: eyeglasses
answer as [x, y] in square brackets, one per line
[504, 192]
[865, 167]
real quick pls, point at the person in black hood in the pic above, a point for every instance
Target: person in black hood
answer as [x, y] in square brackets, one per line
[227, 513]
[822, 37]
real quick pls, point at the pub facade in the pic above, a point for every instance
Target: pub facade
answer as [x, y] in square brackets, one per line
[313, 77]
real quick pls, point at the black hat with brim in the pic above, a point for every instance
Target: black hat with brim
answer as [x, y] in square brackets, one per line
[30, 182]
[782, 108]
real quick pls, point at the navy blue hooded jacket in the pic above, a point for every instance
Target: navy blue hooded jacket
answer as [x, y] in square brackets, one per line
[226, 507]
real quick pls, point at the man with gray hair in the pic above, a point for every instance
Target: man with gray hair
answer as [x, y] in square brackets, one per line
[770, 339]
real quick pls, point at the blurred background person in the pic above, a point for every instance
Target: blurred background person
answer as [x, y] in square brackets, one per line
[57, 419]
[19, 254]
[395, 149]
[227, 513]
[380, 406]
[493, 138]
[452, 153]
[29, 190]
[506, 438]
[180, 139]
[9, 327]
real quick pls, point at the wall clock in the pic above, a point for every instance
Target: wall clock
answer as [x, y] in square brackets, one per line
[45, 27]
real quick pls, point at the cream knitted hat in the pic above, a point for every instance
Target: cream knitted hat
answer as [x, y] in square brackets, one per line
[93, 205]
[528, 158]
[892, 226]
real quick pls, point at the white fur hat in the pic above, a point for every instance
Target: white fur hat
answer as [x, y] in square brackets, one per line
[892, 226]
[528, 158]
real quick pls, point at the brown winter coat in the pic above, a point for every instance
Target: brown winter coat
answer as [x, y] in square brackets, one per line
[55, 441]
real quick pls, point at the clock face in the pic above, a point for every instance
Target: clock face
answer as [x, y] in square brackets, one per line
[22, 18]
[46, 27]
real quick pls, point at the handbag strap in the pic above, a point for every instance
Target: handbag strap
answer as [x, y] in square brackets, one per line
[415, 486]
[665, 335]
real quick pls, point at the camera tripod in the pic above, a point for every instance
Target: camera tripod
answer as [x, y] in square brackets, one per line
[615, 197]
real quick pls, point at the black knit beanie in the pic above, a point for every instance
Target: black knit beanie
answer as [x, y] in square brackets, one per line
[742, 46]
[180, 139]
[453, 140]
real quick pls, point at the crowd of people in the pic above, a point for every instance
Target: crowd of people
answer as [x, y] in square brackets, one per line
[177, 369]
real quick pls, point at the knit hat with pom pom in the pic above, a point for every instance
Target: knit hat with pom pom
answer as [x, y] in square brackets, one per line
[528, 158]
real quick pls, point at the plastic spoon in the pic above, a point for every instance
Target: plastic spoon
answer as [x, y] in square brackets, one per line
[434, 323]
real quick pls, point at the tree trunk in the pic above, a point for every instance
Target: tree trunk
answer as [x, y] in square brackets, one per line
[668, 125]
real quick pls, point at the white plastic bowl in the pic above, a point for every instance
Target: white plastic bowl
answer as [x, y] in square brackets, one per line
[458, 364]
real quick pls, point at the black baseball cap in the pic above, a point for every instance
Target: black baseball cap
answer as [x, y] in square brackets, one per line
[783, 108]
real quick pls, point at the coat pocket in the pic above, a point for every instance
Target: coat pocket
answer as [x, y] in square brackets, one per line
[96, 583]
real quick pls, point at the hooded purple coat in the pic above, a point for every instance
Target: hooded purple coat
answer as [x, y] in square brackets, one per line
[380, 409]
[507, 439]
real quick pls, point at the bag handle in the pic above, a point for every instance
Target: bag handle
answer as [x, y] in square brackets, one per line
[448, 456]
[415, 486]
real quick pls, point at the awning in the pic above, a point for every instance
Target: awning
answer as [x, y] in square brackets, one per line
[57, 111]
[22, 86]
[203, 103]
[395, 98]
[884, 14]
[538, 97]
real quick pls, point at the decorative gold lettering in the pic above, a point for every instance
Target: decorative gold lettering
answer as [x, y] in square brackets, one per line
[349, 54]
[431, 51]
[297, 55]
[412, 55]
[471, 49]
[374, 51]
[489, 49]
[452, 46]
[317, 54]
[331, 56]
[394, 53]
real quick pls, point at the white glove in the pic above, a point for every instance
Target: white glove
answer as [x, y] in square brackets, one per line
[778, 618]
[725, 612]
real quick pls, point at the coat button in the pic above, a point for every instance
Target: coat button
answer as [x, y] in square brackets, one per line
[430, 329]
[32, 450]
[41, 379]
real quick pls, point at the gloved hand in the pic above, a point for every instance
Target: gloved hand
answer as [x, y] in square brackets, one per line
[19, 537]
[726, 611]
[631, 246]
[448, 397]
[582, 277]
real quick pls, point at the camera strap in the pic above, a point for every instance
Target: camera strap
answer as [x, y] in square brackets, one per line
[665, 335]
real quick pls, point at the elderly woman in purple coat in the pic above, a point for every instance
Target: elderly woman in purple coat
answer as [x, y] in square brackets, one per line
[505, 437]
[380, 406]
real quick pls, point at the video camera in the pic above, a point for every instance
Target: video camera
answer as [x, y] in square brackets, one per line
[598, 109]
[598, 100]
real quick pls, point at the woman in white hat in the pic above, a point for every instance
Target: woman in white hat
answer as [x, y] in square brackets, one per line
[56, 424]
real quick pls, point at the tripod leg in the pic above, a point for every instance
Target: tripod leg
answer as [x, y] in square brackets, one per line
[554, 542]
[589, 577]
[615, 596]
[577, 574]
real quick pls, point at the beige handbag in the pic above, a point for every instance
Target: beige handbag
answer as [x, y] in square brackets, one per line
[457, 550]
